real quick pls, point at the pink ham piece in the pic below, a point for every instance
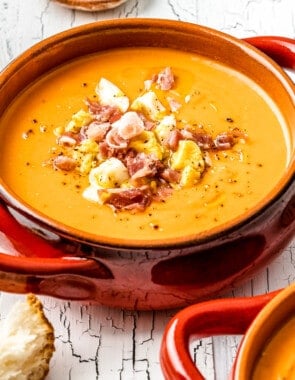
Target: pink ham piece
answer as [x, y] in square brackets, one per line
[142, 165]
[96, 131]
[204, 140]
[66, 141]
[64, 163]
[148, 124]
[170, 175]
[173, 139]
[165, 79]
[163, 191]
[224, 141]
[105, 150]
[136, 199]
[114, 140]
[129, 125]
[103, 113]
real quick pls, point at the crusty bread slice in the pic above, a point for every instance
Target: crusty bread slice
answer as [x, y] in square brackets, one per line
[91, 5]
[26, 342]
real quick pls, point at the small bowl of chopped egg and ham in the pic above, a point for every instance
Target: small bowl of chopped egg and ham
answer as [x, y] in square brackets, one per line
[151, 163]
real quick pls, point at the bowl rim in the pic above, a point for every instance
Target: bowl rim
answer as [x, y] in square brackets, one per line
[39, 48]
[271, 316]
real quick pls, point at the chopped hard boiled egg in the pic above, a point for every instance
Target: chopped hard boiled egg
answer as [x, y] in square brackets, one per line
[189, 176]
[88, 146]
[85, 154]
[187, 153]
[109, 174]
[79, 119]
[91, 194]
[188, 158]
[147, 143]
[110, 95]
[150, 105]
[165, 127]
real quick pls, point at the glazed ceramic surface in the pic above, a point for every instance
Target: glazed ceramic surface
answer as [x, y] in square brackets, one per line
[257, 317]
[268, 322]
[59, 263]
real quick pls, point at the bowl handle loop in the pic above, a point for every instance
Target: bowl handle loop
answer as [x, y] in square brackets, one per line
[22, 239]
[35, 256]
[40, 266]
[216, 317]
[280, 49]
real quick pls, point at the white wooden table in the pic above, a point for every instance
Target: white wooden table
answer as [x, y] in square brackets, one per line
[95, 342]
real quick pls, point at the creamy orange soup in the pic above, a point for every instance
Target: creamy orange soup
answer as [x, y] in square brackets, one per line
[213, 98]
[277, 360]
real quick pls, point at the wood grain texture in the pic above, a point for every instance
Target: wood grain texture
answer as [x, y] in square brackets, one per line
[95, 342]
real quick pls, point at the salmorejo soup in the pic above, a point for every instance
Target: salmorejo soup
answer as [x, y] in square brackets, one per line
[277, 360]
[144, 144]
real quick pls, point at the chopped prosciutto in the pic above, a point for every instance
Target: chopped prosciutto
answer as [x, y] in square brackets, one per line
[148, 124]
[129, 125]
[67, 141]
[170, 175]
[204, 140]
[237, 133]
[115, 140]
[96, 130]
[224, 141]
[142, 165]
[173, 139]
[103, 113]
[105, 150]
[65, 163]
[163, 191]
[165, 79]
[136, 199]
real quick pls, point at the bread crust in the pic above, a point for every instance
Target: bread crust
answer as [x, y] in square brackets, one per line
[26, 341]
[49, 348]
[91, 5]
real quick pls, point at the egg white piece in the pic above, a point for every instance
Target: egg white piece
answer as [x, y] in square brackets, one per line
[111, 95]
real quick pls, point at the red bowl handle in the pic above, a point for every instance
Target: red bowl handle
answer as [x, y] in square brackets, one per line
[38, 266]
[216, 317]
[280, 49]
[36, 257]
[22, 239]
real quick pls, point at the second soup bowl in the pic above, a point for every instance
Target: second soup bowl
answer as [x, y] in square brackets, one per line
[267, 347]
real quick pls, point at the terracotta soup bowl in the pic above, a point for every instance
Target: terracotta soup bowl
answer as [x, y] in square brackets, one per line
[187, 225]
[267, 347]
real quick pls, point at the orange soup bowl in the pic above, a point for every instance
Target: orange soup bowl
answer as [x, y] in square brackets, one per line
[266, 350]
[229, 210]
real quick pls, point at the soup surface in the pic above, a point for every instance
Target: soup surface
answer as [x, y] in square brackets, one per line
[206, 98]
[278, 358]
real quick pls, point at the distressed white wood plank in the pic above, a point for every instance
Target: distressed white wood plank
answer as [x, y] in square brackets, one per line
[96, 342]
[249, 17]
